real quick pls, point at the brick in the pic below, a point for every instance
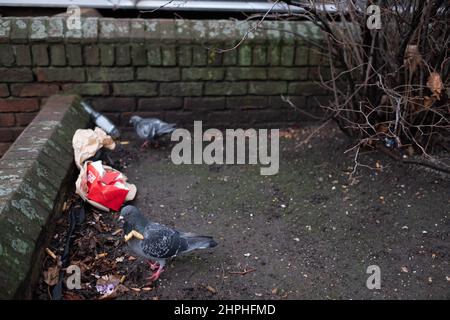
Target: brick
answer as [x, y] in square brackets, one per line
[181, 89]
[138, 55]
[19, 105]
[288, 73]
[169, 57]
[114, 104]
[16, 74]
[287, 55]
[199, 56]
[6, 55]
[246, 73]
[123, 57]
[135, 89]
[19, 30]
[154, 55]
[259, 56]
[229, 58]
[225, 88]
[34, 90]
[202, 74]
[74, 55]
[38, 28]
[301, 55]
[40, 55]
[87, 89]
[56, 29]
[4, 92]
[9, 134]
[114, 30]
[247, 102]
[319, 73]
[7, 120]
[214, 57]
[244, 55]
[305, 88]
[58, 55]
[184, 55]
[24, 119]
[23, 55]
[91, 55]
[137, 32]
[89, 26]
[274, 55]
[110, 74]
[107, 55]
[267, 87]
[160, 103]
[4, 147]
[204, 103]
[158, 74]
[5, 29]
[60, 74]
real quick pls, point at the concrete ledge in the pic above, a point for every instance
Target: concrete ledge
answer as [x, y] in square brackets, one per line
[35, 175]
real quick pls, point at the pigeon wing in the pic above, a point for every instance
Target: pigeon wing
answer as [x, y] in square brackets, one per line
[162, 242]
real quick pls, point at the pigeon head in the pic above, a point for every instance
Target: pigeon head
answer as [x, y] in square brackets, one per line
[130, 214]
[135, 119]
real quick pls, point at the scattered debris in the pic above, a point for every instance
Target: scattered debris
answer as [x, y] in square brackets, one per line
[244, 272]
[51, 253]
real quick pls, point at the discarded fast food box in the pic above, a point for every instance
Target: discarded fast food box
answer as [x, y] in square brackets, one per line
[104, 187]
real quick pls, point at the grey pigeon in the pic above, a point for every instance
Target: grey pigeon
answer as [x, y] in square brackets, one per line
[160, 242]
[150, 128]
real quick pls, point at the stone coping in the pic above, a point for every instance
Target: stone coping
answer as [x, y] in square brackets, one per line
[93, 29]
[35, 176]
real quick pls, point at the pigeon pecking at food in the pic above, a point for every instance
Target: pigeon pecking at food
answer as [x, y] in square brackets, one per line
[159, 241]
[150, 128]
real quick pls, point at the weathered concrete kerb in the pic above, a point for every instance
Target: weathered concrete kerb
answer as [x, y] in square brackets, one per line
[34, 176]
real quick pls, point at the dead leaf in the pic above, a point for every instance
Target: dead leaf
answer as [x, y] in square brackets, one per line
[428, 101]
[413, 58]
[51, 276]
[434, 83]
[70, 295]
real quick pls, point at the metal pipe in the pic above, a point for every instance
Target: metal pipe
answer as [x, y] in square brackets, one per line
[185, 5]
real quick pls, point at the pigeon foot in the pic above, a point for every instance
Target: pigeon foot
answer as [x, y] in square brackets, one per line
[153, 265]
[155, 276]
[144, 145]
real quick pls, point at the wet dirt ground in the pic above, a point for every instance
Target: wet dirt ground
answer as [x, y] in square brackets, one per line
[308, 232]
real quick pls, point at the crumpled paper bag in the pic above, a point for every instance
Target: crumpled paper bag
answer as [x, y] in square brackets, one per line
[82, 186]
[86, 143]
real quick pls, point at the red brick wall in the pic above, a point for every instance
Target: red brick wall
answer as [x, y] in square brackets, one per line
[165, 68]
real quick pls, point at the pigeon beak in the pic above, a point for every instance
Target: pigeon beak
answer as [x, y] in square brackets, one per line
[120, 218]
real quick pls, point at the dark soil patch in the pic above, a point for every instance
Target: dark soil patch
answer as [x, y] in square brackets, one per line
[308, 232]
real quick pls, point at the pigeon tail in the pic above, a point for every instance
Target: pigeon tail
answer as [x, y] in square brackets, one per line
[166, 128]
[194, 241]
